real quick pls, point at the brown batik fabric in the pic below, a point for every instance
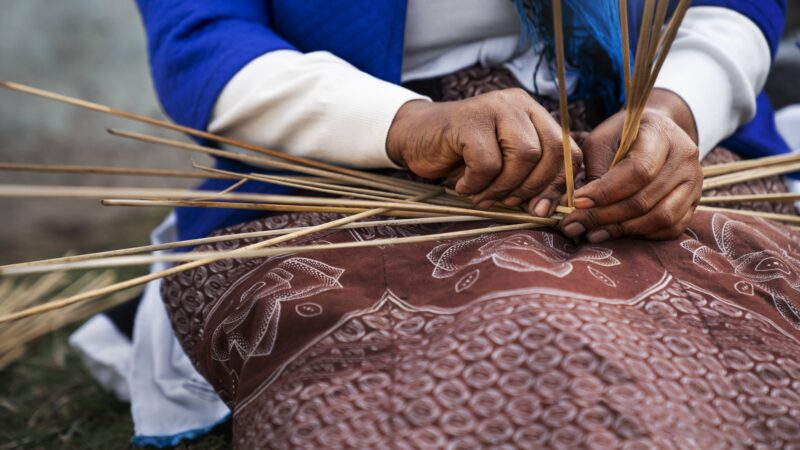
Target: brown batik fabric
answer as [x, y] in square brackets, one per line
[775, 184]
[507, 340]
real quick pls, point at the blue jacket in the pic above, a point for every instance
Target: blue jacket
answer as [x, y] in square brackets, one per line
[197, 46]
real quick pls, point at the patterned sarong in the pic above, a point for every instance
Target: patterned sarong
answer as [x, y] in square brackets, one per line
[508, 340]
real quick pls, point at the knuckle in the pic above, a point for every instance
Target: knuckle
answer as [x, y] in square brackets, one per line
[491, 166]
[629, 229]
[507, 96]
[602, 194]
[553, 143]
[517, 94]
[557, 184]
[529, 189]
[617, 230]
[643, 170]
[590, 219]
[693, 152]
[528, 154]
[664, 219]
[640, 204]
[577, 158]
[502, 187]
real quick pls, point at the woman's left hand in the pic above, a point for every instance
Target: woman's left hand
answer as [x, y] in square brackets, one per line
[652, 193]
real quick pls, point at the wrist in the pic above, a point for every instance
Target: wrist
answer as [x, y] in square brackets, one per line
[672, 106]
[402, 129]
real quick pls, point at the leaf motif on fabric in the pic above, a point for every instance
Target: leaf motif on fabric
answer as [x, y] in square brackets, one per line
[251, 329]
[743, 287]
[467, 281]
[521, 252]
[605, 279]
[755, 258]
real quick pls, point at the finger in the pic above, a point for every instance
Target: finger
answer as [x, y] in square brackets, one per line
[544, 204]
[551, 162]
[645, 160]
[482, 159]
[600, 146]
[579, 137]
[663, 219]
[630, 208]
[674, 231]
[521, 151]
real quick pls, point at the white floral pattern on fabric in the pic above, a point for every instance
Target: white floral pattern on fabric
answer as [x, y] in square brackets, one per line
[756, 260]
[518, 253]
[293, 279]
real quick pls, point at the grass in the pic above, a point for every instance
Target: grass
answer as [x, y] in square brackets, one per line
[48, 400]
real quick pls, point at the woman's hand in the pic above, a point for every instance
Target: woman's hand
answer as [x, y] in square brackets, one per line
[653, 192]
[500, 146]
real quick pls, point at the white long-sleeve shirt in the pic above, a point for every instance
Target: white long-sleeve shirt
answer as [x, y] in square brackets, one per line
[319, 106]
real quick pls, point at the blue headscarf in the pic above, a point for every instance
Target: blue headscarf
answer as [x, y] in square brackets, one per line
[592, 45]
[592, 41]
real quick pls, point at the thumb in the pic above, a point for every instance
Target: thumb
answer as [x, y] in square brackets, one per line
[600, 146]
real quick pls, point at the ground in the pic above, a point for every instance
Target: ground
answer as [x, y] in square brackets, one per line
[48, 400]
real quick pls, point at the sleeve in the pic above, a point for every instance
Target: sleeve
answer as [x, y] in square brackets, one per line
[197, 46]
[314, 105]
[768, 15]
[718, 64]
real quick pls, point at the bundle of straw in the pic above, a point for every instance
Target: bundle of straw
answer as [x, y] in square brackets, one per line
[24, 293]
[654, 43]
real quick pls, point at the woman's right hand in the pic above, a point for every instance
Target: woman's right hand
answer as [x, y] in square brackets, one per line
[501, 146]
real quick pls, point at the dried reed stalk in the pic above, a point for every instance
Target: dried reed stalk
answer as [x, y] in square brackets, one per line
[737, 166]
[280, 208]
[750, 198]
[558, 26]
[16, 337]
[785, 218]
[138, 281]
[226, 238]
[106, 170]
[99, 193]
[316, 204]
[323, 188]
[298, 161]
[651, 52]
[377, 194]
[272, 163]
[140, 260]
[750, 174]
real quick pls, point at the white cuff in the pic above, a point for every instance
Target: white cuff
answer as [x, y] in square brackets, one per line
[314, 105]
[718, 63]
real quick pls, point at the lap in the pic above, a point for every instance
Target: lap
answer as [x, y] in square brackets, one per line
[505, 338]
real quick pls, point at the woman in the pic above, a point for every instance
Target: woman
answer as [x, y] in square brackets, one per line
[462, 343]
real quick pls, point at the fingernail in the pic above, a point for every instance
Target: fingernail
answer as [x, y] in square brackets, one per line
[512, 201]
[542, 208]
[485, 204]
[583, 203]
[598, 236]
[574, 229]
